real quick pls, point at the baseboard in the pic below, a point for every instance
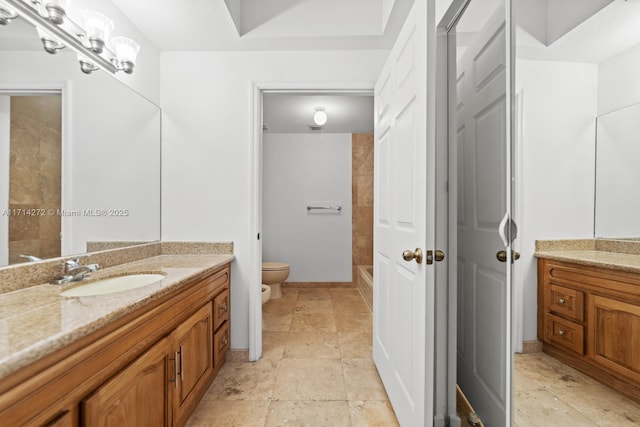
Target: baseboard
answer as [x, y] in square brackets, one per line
[318, 285]
[534, 346]
[239, 356]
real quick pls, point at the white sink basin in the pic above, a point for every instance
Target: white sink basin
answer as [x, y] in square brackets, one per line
[112, 284]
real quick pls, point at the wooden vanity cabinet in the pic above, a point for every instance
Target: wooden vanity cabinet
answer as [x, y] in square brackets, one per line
[589, 317]
[151, 367]
[193, 361]
[136, 396]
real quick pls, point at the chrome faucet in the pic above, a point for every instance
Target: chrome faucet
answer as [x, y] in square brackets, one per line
[74, 272]
[30, 258]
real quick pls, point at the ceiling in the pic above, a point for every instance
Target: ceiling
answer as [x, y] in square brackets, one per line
[607, 33]
[194, 25]
[293, 113]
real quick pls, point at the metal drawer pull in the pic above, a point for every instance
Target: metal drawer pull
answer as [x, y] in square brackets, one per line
[561, 332]
[561, 301]
[222, 308]
[223, 342]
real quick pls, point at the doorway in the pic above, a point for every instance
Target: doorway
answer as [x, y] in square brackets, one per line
[302, 212]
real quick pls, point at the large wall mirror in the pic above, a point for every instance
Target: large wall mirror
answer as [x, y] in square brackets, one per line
[617, 212]
[79, 154]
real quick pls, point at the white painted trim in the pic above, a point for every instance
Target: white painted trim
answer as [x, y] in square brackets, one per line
[66, 195]
[446, 313]
[5, 158]
[518, 216]
[255, 190]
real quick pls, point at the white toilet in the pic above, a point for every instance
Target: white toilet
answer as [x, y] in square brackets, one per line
[266, 293]
[273, 274]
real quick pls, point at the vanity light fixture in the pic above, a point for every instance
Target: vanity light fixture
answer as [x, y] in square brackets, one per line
[320, 116]
[7, 13]
[91, 39]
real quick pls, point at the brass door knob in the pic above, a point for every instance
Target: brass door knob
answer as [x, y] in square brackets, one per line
[411, 255]
[502, 256]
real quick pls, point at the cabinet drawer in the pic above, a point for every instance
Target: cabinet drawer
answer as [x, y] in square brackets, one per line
[220, 309]
[566, 302]
[565, 333]
[220, 345]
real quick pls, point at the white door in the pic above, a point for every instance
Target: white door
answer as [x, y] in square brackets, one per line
[403, 303]
[479, 44]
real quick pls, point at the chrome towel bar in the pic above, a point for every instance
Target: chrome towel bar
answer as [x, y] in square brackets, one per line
[333, 208]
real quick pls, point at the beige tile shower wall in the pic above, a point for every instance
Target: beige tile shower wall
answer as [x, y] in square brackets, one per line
[35, 169]
[362, 199]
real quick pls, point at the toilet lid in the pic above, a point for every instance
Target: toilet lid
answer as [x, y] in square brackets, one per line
[274, 266]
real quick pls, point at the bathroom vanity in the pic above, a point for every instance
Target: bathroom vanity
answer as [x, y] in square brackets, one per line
[589, 314]
[143, 357]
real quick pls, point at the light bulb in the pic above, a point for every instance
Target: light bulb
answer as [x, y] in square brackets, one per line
[98, 27]
[320, 117]
[126, 51]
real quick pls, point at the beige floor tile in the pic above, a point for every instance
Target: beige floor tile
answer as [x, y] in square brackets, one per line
[540, 408]
[278, 322]
[354, 322]
[314, 306]
[279, 306]
[217, 413]
[602, 405]
[355, 344]
[310, 379]
[312, 345]
[313, 322]
[244, 381]
[349, 306]
[372, 414]
[309, 414]
[552, 373]
[273, 343]
[362, 380]
[314, 294]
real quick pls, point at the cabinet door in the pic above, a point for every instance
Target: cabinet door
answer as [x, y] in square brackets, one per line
[614, 329]
[136, 396]
[194, 352]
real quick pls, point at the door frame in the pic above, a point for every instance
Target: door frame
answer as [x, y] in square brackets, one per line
[258, 89]
[63, 89]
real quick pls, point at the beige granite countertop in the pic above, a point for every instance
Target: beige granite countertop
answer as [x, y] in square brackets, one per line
[611, 254]
[37, 321]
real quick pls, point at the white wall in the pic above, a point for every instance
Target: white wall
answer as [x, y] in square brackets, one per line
[299, 169]
[556, 164]
[207, 139]
[618, 82]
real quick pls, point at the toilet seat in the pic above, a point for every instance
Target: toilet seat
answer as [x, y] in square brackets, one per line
[274, 266]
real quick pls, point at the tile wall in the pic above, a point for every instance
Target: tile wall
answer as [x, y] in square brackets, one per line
[362, 199]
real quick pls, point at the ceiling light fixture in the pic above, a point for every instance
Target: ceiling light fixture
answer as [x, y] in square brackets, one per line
[320, 116]
[91, 40]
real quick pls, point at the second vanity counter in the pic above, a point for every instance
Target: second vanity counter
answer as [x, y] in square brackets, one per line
[37, 321]
[611, 254]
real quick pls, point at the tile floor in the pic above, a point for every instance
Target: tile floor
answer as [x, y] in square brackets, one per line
[549, 393]
[316, 368]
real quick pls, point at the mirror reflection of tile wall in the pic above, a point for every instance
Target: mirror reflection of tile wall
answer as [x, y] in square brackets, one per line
[35, 174]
